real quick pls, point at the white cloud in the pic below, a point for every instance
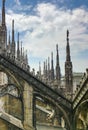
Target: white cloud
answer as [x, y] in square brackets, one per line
[17, 2]
[47, 27]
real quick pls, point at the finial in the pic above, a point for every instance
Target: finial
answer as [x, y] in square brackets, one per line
[57, 55]
[3, 2]
[67, 33]
[57, 47]
[52, 55]
[48, 60]
[13, 24]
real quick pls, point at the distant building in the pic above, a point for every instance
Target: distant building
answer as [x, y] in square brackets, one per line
[76, 79]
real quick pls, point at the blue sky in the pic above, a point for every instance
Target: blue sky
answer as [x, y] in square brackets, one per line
[43, 23]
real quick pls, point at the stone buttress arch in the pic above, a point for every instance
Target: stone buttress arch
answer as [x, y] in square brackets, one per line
[58, 106]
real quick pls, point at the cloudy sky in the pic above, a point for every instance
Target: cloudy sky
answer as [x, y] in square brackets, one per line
[43, 23]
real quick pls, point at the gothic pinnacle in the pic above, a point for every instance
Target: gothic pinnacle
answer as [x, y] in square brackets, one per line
[13, 41]
[18, 50]
[39, 69]
[26, 58]
[57, 55]
[58, 73]
[18, 42]
[67, 48]
[3, 12]
[46, 67]
[51, 60]
[52, 68]
[68, 69]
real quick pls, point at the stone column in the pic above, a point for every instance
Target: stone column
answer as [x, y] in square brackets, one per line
[7, 110]
[72, 121]
[34, 111]
[28, 107]
[57, 121]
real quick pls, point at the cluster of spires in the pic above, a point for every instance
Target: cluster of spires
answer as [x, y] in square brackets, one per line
[20, 58]
[9, 48]
[17, 54]
[50, 74]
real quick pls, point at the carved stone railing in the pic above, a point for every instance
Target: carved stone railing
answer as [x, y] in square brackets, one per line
[17, 61]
